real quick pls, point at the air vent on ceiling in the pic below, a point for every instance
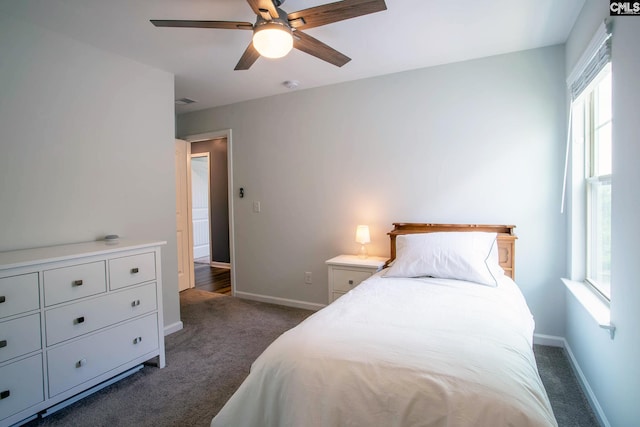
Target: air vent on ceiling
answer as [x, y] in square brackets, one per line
[184, 101]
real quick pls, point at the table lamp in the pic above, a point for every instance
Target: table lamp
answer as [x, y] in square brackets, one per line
[363, 237]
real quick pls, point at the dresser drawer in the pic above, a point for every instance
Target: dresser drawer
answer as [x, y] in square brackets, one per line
[130, 270]
[79, 361]
[19, 294]
[22, 385]
[345, 280]
[83, 317]
[19, 336]
[69, 283]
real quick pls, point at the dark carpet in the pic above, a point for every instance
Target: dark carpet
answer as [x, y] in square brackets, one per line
[211, 356]
[569, 404]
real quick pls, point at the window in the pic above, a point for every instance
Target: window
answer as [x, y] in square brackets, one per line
[591, 115]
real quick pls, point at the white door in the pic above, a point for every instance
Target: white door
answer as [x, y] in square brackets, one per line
[185, 255]
[200, 206]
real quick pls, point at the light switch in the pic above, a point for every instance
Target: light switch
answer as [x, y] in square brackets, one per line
[256, 206]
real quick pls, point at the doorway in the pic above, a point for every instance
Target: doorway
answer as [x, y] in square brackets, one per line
[211, 249]
[210, 215]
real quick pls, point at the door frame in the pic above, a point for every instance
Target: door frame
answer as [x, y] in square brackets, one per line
[182, 216]
[225, 133]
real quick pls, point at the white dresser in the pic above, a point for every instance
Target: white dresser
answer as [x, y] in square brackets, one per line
[74, 318]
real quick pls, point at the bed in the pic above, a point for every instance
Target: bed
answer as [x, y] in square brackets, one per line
[409, 346]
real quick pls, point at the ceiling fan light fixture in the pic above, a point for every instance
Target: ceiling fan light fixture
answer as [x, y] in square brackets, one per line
[274, 29]
[272, 39]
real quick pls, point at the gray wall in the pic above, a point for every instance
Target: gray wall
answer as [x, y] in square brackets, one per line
[474, 142]
[86, 147]
[611, 367]
[219, 197]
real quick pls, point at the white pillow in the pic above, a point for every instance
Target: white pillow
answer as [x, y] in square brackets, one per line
[471, 256]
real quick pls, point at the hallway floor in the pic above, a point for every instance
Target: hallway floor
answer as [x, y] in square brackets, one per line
[212, 279]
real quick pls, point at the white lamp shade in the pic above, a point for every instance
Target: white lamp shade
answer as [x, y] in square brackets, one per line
[362, 234]
[272, 41]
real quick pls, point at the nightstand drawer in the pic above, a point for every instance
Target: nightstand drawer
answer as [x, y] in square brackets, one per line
[19, 336]
[19, 294]
[336, 295]
[130, 270]
[69, 283]
[345, 280]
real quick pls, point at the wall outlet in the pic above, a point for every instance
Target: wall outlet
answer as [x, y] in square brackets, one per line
[256, 206]
[307, 277]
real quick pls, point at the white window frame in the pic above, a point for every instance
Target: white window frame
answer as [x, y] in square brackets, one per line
[580, 82]
[592, 180]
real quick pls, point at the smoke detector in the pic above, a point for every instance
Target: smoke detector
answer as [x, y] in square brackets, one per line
[291, 84]
[184, 101]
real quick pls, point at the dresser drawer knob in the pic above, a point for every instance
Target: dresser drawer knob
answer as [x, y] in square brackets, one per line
[134, 270]
[80, 363]
[4, 394]
[137, 340]
[351, 282]
[3, 343]
[2, 298]
[78, 320]
[135, 303]
[77, 283]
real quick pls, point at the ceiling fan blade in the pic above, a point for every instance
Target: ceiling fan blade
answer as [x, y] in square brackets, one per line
[314, 47]
[264, 8]
[334, 12]
[249, 56]
[225, 25]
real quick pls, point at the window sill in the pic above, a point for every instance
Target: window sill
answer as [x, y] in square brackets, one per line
[595, 306]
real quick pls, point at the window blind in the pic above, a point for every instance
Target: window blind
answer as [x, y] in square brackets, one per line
[592, 61]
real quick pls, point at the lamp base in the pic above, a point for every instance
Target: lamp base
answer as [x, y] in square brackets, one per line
[362, 253]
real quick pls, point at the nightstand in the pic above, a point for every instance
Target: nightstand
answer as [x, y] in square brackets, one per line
[347, 271]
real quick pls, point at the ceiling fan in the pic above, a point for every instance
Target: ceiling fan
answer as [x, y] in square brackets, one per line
[275, 32]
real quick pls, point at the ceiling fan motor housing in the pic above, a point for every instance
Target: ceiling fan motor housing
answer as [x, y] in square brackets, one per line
[280, 20]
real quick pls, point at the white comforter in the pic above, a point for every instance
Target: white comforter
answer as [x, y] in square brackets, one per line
[400, 352]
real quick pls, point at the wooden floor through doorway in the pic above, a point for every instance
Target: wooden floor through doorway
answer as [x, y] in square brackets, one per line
[212, 279]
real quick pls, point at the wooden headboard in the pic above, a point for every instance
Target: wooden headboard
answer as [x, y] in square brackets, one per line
[506, 239]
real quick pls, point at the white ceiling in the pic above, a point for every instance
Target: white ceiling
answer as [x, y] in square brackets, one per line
[410, 34]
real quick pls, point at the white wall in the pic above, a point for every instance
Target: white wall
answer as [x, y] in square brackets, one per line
[473, 142]
[611, 367]
[86, 147]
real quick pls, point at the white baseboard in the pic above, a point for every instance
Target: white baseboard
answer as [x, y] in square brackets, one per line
[550, 340]
[174, 327]
[586, 388]
[219, 264]
[280, 301]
